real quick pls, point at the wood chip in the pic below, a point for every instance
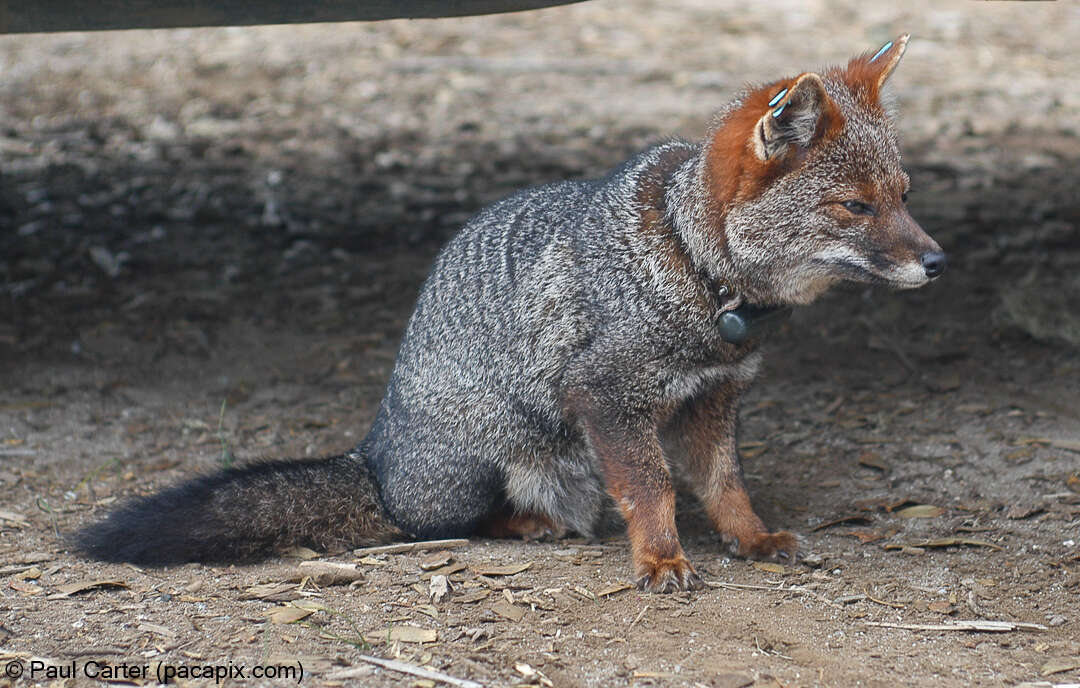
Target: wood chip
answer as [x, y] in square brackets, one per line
[328, 572]
[507, 610]
[508, 570]
[403, 634]
[438, 589]
[411, 547]
[612, 589]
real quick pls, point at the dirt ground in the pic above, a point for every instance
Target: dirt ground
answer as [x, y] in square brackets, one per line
[210, 242]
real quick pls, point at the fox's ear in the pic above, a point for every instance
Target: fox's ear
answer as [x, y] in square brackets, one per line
[869, 71]
[796, 116]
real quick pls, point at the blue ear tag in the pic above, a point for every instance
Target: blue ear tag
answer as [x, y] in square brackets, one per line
[777, 97]
[779, 110]
[884, 49]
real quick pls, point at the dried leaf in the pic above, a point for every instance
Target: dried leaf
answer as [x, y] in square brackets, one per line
[946, 542]
[403, 634]
[303, 553]
[11, 517]
[154, 628]
[274, 592]
[25, 587]
[507, 610]
[288, 614]
[69, 589]
[473, 596]
[854, 518]
[770, 567]
[508, 570]
[1019, 511]
[436, 560]
[1066, 444]
[32, 573]
[866, 536]
[920, 511]
[873, 460]
[444, 571]
[1056, 666]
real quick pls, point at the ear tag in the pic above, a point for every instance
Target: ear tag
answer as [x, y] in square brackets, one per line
[778, 110]
[884, 49]
[777, 97]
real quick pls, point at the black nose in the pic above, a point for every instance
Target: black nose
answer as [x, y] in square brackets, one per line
[934, 263]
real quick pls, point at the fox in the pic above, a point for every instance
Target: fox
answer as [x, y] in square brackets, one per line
[567, 353]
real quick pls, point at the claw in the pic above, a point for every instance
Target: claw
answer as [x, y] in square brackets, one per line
[669, 575]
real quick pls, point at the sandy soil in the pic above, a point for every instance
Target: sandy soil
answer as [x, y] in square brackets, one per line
[211, 241]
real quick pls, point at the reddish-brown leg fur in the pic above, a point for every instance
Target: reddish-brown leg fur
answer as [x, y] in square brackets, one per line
[705, 432]
[637, 478]
[505, 523]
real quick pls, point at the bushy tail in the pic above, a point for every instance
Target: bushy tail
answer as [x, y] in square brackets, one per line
[244, 513]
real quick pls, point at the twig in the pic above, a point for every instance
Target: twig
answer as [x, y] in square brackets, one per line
[780, 587]
[637, 618]
[402, 667]
[894, 605]
[974, 625]
[411, 547]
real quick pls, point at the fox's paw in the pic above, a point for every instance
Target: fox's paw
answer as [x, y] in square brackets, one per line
[668, 575]
[764, 545]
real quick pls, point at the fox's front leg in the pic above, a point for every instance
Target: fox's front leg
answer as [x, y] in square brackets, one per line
[705, 431]
[636, 476]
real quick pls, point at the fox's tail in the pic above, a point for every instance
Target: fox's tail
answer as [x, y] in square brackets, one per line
[243, 513]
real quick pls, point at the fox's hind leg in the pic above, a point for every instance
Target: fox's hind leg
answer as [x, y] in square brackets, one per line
[507, 523]
[705, 432]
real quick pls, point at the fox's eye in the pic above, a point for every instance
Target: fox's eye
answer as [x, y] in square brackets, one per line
[858, 208]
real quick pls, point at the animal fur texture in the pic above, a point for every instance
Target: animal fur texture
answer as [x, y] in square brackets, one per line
[564, 350]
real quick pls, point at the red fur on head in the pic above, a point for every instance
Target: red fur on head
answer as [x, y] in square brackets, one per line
[867, 73]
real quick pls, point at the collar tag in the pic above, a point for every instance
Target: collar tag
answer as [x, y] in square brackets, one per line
[749, 322]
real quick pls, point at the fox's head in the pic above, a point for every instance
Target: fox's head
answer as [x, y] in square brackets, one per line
[806, 175]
